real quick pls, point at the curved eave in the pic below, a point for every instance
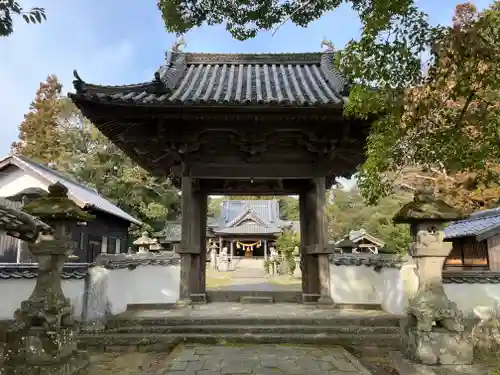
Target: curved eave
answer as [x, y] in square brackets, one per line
[97, 100]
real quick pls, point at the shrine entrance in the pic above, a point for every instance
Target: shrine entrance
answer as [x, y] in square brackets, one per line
[237, 124]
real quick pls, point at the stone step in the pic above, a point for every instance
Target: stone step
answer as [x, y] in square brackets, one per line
[303, 329]
[365, 321]
[256, 299]
[291, 296]
[159, 342]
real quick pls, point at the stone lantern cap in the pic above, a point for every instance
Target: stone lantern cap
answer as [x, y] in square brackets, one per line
[56, 206]
[144, 239]
[426, 207]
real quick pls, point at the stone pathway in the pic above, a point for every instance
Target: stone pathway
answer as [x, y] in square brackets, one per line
[195, 359]
[248, 274]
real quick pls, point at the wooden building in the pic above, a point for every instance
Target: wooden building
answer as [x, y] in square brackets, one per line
[360, 241]
[249, 227]
[245, 227]
[237, 124]
[108, 233]
[476, 242]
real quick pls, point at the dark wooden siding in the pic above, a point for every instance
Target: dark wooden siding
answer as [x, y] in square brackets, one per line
[87, 239]
[8, 244]
[468, 254]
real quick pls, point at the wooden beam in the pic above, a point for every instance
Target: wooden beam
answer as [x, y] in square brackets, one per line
[256, 171]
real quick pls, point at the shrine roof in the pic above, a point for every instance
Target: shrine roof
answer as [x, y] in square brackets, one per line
[249, 217]
[482, 225]
[293, 79]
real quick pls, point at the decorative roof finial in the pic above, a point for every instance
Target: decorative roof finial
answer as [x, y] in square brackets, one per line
[327, 43]
[178, 43]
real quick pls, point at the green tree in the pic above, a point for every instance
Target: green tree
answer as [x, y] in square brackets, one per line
[286, 243]
[39, 136]
[55, 133]
[348, 211]
[94, 160]
[10, 8]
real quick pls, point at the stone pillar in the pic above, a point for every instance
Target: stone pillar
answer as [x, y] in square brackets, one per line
[265, 250]
[433, 332]
[42, 340]
[192, 248]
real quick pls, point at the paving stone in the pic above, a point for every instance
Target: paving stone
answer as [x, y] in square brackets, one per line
[233, 360]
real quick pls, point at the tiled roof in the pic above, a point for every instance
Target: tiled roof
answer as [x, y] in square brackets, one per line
[83, 195]
[482, 225]
[267, 210]
[249, 217]
[19, 224]
[170, 233]
[357, 235]
[30, 271]
[298, 79]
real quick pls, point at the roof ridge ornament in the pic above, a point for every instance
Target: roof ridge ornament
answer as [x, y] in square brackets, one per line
[179, 42]
[329, 44]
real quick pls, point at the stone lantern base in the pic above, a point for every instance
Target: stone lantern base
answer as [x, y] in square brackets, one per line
[438, 347]
[38, 352]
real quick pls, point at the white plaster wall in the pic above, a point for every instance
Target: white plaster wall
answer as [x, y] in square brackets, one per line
[392, 288]
[17, 180]
[354, 284]
[466, 296]
[14, 291]
[364, 285]
[110, 291]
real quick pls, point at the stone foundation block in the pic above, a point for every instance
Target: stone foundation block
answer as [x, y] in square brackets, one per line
[310, 298]
[438, 347]
[198, 298]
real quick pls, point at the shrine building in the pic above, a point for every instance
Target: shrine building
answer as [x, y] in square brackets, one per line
[246, 228]
[237, 124]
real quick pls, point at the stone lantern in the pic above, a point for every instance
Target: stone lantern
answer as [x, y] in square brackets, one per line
[43, 334]
[144, 242]
[433, 332]
[213, 255]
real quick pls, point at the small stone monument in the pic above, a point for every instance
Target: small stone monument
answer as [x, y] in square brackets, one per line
[42, 340]
[144, 242]
[213, 255]
[433, 332]
[274, 258]
[223, 260]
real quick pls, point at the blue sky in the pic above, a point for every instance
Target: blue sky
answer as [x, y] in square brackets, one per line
[115, 42]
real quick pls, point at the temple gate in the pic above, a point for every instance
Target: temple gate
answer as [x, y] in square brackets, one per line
[237, 124]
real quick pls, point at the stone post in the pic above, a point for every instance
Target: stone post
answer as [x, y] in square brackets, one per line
[433, 332]
[42, 339]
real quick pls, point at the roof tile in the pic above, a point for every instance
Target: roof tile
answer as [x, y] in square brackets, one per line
[82, 193]
[197, 79]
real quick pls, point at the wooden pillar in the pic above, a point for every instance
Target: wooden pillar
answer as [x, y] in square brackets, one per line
[315, 262]
[265, 250]
[192, 248]
[493, 245]
[308, 262]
